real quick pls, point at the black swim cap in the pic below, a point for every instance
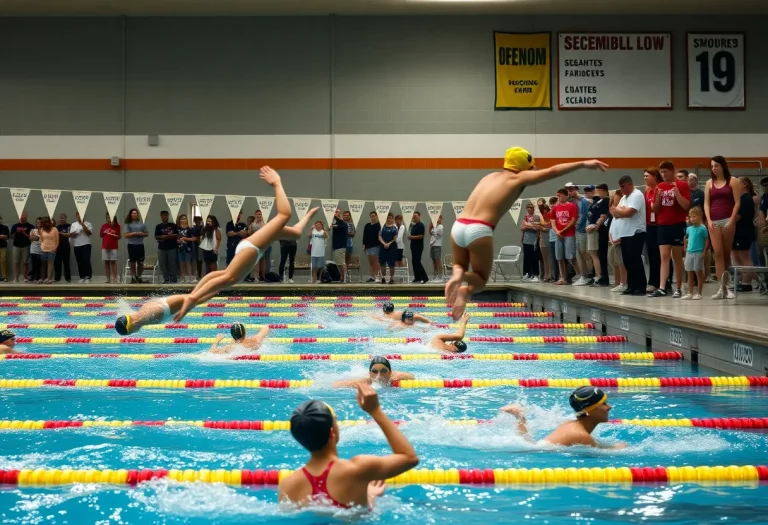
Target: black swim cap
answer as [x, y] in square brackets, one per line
[123, 325]
[388, 307]
[311, 424]
[380, 360]
[6, 335]
[407, 314]
[237, 331]
[586, 398]
[461, 346]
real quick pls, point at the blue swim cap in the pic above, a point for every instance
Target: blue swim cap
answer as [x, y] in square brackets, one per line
[237, 331]
[407, 314]
[461, 346]
[388, 307]
[123, 325]
[586, 398]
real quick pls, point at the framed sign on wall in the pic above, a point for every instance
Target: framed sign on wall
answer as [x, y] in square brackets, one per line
[614, 70]
[716, 71]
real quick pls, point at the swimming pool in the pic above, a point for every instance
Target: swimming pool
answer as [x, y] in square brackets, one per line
[434, 416]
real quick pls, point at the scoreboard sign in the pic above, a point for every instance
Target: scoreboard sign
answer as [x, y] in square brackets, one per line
[614, 70]
[716, 70]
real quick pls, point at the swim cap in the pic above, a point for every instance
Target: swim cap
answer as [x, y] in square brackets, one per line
[586, 398]
[461, 346]
[518, 159]
[311, 424]
[380, 360]
[6, 335]
[407, 314]
[388, 307]
[123, 325]
[237, 331]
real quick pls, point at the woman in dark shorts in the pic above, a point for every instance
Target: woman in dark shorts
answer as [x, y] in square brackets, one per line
[210, 239]
[744, 234]
[388, 250]
[136, 231]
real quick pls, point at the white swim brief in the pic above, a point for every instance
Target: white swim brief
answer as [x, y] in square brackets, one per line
[245, 244]
[467, 231]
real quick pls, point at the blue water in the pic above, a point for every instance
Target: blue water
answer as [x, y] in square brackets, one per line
[438, 444]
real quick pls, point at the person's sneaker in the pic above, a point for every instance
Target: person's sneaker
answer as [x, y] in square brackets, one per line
[133, 280]
[371, 280]
[525, 278]
[710, 279]
[580, 282]
[729, 295]
[687, 297]
[590, 282]
[696, 297]
[81, 281]
[87, 280]
[290, 281]
[657, 293]
[719, 294]
[534, 279]
[677, 294]
[763, 288]
[618, 288]
[377, 281]
[318, 281]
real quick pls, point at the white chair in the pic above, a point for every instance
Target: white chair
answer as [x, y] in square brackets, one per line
[150, 264]
[507, 255]
[354, 265]
[448, 265]
[402, 272]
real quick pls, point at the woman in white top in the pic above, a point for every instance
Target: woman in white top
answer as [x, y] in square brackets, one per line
[317, 237]
[80, 233]
[436, 250]
[400, 243]
[210, 239]
[34, 252]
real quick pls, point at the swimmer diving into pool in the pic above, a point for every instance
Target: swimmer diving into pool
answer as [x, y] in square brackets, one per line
[472, 233]
[238, 334]
[380, 371]
[452, 343]
[591, 407]
[329, 480]
[8, 342]
[247, 254]
[404, 318]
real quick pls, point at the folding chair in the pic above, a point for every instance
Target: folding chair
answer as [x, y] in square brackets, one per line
[354, 264]
[507, 255]
[150, 263]
[402, 272]
[447, 265]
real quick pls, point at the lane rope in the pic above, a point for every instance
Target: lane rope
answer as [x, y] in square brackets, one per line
[750, 474]
[280, 326]
[653, 382]
[302, 305]
[582, 356]
[234, 298]
[19, 313]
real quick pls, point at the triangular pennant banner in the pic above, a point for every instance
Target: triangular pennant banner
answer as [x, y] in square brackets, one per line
[382, 209]
[143, 201]
[51, 198]
[406, 210]
[19, 196]
[235, 204]
[458, 207]
[514, 211]
[434, 209]
[81, 198]
[356, 211]
[329, 208]
[301, 205]
[174, 201]
[265, 205]
[112, 200]
[205, 203]
[535, 206]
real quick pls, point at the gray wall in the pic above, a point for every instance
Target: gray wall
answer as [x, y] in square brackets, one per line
[303, 75]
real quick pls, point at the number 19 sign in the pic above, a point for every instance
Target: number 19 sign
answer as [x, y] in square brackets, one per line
[716, 70]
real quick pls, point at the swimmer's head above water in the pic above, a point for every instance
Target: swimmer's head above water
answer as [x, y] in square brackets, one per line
[407, 317]
[313, 425]
[590, 401]
[380, 370]
[123, 325]
[388, 307]
[7, 338]
[237, 331]
[460, 346]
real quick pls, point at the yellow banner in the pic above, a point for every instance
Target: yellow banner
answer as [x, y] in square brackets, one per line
[522, 70]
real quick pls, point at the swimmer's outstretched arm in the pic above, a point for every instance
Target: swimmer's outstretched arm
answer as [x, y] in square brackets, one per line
[257, 339]
[423, 319]
[350, 382]
[522, 427]
[456, 336]
[214, 347]
[8, 350]
[399, 376]
[295, 231]
[243, 263]
[530, 177]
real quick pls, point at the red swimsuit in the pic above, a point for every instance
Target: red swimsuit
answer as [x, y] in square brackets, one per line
[320, 486]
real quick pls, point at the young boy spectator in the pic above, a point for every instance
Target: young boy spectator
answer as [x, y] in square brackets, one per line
[566, 213]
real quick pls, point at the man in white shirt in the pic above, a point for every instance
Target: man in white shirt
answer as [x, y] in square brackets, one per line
[629, 219]
[80, 233]
[436, 249]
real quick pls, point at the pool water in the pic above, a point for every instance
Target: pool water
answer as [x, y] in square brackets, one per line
[428, 413]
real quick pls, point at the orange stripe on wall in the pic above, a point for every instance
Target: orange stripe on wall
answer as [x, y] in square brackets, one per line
[638, 163]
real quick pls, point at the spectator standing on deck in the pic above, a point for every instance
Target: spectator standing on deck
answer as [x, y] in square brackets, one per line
[5, 234]
[110, 235]
[351, 231]
[339, 236]
[417, 248]
[744, 235]
[21, 243]
[436, 249]
[62, 252]
[583, 262]
[566, 214]
[167, 248]
[544, 229]
[135, 232]
[236, 231]
[530, 228]
[371, 246]
[630, 227]
[652, 177]
[722, 196]
[597, 235]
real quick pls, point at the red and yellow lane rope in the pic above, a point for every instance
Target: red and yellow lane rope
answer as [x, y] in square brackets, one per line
[286, 326]
[241, 305]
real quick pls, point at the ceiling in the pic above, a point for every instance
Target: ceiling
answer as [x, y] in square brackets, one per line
[374, 7]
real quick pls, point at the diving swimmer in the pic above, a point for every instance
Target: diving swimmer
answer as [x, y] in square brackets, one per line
[404, 318]
[247, 254]
[343, 483]
[8, 342]
[472, 233]
[591, 407]
[379, 370]
[452, 343]
[238, 334]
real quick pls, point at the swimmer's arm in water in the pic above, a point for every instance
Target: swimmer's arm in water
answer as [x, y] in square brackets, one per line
[458, 335]
[403, 457]
[8, 350]
[351, 382]
[522, 426]
[399, 376]
[256, 340]
[530, 177]
[216, 350]
[421, 318]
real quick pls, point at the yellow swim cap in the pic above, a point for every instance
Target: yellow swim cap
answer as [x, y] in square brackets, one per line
[518, 159]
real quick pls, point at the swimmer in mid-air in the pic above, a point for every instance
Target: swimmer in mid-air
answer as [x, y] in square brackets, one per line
[472, 233]
[404, 318]
[8, 342]
[329, 480]
[247, 254]
[591, 407]
[452, 343]
[379, 371]
[238, 334]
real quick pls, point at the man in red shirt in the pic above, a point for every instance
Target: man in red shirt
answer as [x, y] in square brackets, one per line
[673, 197]
[564, 224]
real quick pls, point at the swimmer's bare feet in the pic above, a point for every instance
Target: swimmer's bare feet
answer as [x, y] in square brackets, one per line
[452, 286]
[376, 489]
[460, 303]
